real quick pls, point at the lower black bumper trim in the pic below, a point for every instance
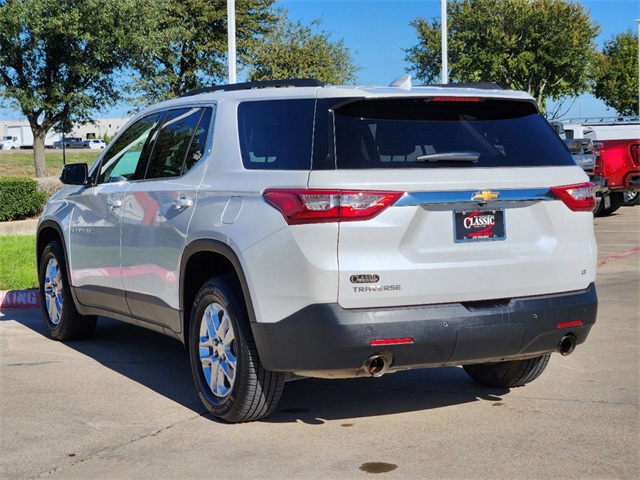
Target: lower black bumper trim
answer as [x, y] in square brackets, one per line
[326, 337]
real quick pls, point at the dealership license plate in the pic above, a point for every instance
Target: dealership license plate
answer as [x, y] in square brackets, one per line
[478, 225]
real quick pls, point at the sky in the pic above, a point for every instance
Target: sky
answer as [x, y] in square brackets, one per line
[378, 31]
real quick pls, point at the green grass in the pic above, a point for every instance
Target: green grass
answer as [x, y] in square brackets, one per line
[18, 262]
[20, 163]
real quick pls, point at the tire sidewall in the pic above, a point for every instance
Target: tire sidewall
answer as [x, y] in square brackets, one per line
[215, 291]
[633, 199]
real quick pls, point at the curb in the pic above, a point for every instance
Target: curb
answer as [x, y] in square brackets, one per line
[19, 227]
[19, 299]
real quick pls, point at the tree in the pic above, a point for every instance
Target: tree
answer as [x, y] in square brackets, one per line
[544, 47]
[58, 58]
[616, 74]
[190, 48]
[293, 50]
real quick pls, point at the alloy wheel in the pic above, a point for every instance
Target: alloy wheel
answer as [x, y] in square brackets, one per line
[53, 291]
[218, 353]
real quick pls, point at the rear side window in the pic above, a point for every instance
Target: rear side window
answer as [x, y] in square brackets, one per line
[276, 134]
[424, 133]
[180, 142]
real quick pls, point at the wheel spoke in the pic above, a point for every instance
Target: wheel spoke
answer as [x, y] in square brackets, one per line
[230, 355]
[224, 379]
[217, 350]
[210, 320]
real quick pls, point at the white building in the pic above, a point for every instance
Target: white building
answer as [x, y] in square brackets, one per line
[98, 129]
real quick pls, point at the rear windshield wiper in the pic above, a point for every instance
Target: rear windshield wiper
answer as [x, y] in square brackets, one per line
[462, 156]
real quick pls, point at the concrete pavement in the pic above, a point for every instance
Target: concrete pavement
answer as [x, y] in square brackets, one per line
[122, 405]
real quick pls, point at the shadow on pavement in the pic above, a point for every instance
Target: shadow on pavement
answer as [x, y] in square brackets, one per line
[314, 401]
[161, 364]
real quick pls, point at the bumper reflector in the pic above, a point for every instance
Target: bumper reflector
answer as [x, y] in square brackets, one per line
[390, 341]
[573, 323]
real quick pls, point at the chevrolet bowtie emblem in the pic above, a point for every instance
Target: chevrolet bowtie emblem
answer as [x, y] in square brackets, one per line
[485, 196]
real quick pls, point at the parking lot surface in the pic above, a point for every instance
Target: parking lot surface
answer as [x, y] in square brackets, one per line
[123, 405]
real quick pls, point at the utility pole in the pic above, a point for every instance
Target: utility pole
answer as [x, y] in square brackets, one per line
[638, 22]
[443, 16]
[231, 33]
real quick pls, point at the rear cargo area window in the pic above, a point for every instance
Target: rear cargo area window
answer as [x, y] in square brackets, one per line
[427, 133]
[276, 134]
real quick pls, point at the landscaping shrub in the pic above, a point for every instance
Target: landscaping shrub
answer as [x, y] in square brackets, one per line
[20, 198]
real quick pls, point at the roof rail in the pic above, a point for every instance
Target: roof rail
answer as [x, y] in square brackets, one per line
[603, 120]
[292, 82]
[479, 85]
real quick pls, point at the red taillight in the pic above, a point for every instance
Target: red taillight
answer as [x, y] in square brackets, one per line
[457, 99]
[635, 153]
[321, 206]
[579, 198]
[597, 158]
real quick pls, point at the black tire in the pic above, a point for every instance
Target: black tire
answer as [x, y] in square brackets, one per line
[229, 377]
[617, 200]
[61, 317]
[515, 373]
[631, 198]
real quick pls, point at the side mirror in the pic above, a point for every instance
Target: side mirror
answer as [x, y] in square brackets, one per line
[558, 127]
[74, 174]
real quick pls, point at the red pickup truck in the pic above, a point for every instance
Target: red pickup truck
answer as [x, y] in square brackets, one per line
[617, 164]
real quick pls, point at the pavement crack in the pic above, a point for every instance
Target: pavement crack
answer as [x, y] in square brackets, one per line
[113, 448]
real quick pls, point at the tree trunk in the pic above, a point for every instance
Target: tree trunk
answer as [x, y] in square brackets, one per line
[38, 152]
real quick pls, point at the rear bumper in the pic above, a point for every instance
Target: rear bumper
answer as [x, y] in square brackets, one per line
[327, 340]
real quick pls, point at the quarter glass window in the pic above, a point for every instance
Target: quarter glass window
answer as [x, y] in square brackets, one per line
[126, 159]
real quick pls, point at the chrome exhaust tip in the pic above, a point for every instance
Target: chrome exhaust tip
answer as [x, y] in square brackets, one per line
[377, 365]
[567, 345]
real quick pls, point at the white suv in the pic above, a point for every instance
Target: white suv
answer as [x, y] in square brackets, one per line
[329, 232]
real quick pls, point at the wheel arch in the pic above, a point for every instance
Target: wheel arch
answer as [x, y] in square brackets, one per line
[203, 259]
[48, 230]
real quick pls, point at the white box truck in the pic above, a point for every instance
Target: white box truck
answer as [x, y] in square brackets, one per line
[622, 128]
[21, 136]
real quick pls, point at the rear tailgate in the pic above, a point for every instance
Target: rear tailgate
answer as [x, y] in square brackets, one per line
[477, 218]
[526, 242]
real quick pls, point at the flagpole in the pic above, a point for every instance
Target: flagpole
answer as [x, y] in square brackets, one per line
[445, 63]
[231, 33]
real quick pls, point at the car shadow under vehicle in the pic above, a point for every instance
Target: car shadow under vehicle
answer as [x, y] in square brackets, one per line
[161, 364]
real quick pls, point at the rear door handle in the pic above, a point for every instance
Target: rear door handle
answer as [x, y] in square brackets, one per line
[182, 202]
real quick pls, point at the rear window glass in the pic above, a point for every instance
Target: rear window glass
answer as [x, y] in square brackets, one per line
[276, 134]
[422, 133]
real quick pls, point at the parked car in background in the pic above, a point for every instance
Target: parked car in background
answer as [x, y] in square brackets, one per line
[73, 142]
[632, 198]
[68, 142]
[581, 148]
[618, 163]
[582, 152]
[616, 150]
[94, 143]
